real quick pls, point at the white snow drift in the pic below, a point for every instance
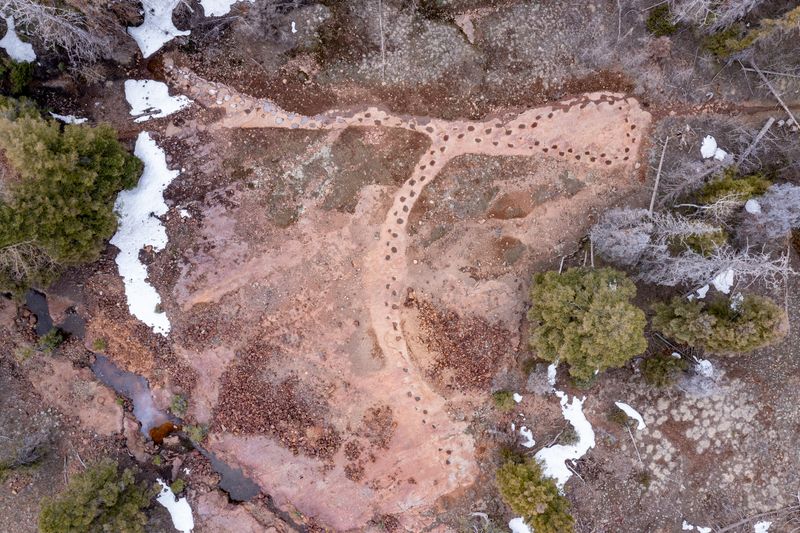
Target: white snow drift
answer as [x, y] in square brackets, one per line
[139, 227]
[518, 525]
[217, 8]
[723, 281]
[761, 527]
[709, 149]
[686, 526]
[157, 28]
[527, 434]
[150, 99]
[179, 509]
[553, 458]
[17, 49]
[633, 413]
[68, 119]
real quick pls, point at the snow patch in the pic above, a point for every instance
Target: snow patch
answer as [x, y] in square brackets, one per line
[16, 48]
[702, 291]
[294, 27]
[68, 119]
[704, 368]
[676, 355]
[723, 281]
[150, 99]
[553, 458]
[179, 509]
[217, 8]
[633, 413]
[752, 206]
[184, 213]
[551, 373]
[686, 526]
[517, 397]
[528, 434]
[710, 149]
[518, 525]
[138, 227]
[157, 28]
[761, 527]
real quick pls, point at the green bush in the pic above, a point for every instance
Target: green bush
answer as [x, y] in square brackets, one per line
[716, 326]
[100, 499]
[659, 23]
[585, 318]
[534, 497]
[16, 76]
[702, 243]
[503, 400]
[196, 433]
[179, 405]
[52, 340]
[58, 209]
[744, 187]
[177, 486]
[661, 370]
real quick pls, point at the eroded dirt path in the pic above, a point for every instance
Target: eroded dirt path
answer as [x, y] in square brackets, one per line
[601, 130]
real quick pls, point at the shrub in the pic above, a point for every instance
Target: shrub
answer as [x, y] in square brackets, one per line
[720, 327]
[179, 405]
[659, 23]
[743, 188]
[52, 340]
[503, 400]
[59, 206]
[99, 344]
[17, 76]
[534, 497]
[196, 433]
[99, 499]
[585, 318]
[661, 370]
[618, 416]
[177, 486]
[704, 244]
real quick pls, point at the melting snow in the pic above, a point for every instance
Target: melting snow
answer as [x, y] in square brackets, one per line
[294, 27]
[633, 413]
[150, 99]
[553, 458]
[704, 368]
[157, 28]
[761, 527]
[551, 373]
[179, 509]
[517, 397]
[752, 206]
[709, 149]
[528, 434]
[676, 355]
[217, 8]
[701, 292]
[723, 281]
[185, 213]
[18, 50]
[68, 119]
[686, 526]
[518, 525]
[138, 227]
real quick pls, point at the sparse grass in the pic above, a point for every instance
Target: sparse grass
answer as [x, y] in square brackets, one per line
[196, 433]
[644, 478]
[618, 416]
[569, 436]
[503, 400]
[99, 345]
[52, 340]
[23, 353]
[662, 370]
[179, 405]
[743, 187]
[158, 461]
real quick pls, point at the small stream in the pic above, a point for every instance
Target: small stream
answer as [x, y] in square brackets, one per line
[233, 481]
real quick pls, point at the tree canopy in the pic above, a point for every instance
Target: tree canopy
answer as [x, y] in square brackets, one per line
[585, 318]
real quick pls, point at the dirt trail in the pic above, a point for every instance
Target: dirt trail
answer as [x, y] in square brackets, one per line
[602, 130]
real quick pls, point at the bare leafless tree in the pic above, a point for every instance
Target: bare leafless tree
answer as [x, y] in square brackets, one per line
[780, 212]
[57, 29]
[24, 261]
[712, 15]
